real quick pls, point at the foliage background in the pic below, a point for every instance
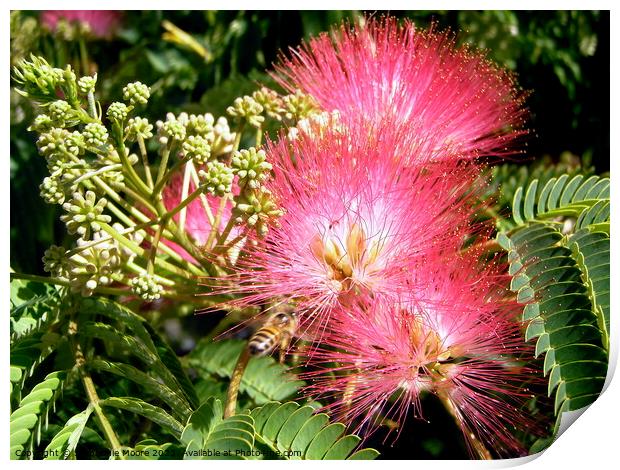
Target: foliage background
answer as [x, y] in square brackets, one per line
[561, 57]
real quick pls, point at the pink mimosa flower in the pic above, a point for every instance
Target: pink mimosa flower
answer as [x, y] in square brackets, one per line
[458, 339]
[386, 71]
[100, 23]
[355, 221]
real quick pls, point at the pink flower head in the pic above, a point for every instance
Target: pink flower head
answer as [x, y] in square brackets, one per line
[100, 23]
[457, 338]
[199, 215]
[386, 71]
[355, 221]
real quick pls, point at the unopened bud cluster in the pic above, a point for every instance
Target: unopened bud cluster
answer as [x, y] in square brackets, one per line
[101, 173]
[146, 287]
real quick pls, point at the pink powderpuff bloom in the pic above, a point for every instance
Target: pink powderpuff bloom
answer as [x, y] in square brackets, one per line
[355, 220]
[100, 23]
[458, 338]
[383, 70]
[198, 220]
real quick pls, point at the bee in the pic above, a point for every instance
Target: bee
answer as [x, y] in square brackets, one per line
[276, 333]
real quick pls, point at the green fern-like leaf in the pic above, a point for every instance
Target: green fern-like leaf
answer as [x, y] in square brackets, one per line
[264, 379]
[564, 286]
[209, 436]
[171, 361]
[560, 273]
[296, 432]
[34, 308]
[115, 311]
[149, 449]
[176, 401]
[145, 344]
[562, 197]
[26, 421]
[142, 408]
[66, 440]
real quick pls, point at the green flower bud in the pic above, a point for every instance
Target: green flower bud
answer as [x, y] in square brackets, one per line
[146, 287]
[42, 123]
[136, 93]
[94, 267]
[38, 79]
[223, 139]
[85, 214]
[271, 102]
[59, 144]
[248, 109]
[173, 129]
[87, 84]
[69, 85]
[95, 134]
[250, 166]
[138, 127]
[256, 209]
[197, 148]
[55, 262]
[217, 179]
[299, 106]
[60, 112]
[201, 125]
[117, 112]
[52, 191]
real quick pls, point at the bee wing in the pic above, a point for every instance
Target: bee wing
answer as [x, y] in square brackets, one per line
[240, 327]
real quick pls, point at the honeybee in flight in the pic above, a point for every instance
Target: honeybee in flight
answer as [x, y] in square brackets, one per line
[276, 333]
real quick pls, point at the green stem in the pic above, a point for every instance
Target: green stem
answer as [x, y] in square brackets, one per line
[92, 107]
[43, 279]
[104, 239]
[91, 392]
[238, 136]
[84, 58]
[146, 203]
[203, 199]
[150, 267]
[221, 241]
[184, 191]
[259, 137]
[145, 162]
[159, 186]
[163, 164]
[184, 203]
[66, 283]
[131, 172]
[124, 204]
[216, 223]
[231, 243]
[141, 252]
[139, 270]
[86, 176]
